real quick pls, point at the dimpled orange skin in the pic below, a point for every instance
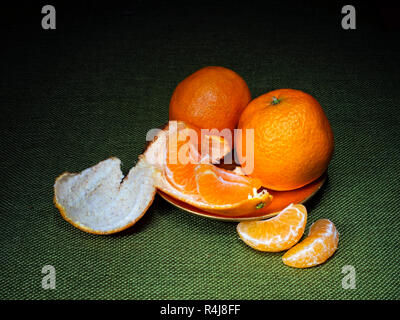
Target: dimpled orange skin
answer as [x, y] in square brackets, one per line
[212, 97]
[293, 140]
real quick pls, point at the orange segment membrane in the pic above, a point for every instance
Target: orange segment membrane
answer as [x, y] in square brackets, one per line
[219, 186]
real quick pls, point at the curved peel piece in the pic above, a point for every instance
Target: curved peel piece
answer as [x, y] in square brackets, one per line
[98, 200]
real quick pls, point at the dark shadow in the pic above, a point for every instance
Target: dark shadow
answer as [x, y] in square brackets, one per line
[143, 222]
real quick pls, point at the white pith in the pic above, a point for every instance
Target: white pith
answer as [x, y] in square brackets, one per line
[99, 200]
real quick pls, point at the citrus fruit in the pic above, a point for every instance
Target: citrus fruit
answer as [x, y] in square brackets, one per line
[319, 246]
[182, 158]
[186, 148]
[293, 140]
[96, 201]
[275, 234]
[199, 183]
[219, 186]
[212, 97]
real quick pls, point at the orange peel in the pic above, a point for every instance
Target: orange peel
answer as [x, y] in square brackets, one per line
[100, 200]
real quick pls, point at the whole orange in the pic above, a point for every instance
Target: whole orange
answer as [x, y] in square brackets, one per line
[212, 97]
[293, 140]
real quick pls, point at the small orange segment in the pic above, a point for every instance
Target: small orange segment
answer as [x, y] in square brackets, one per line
[186, 149]
[275, 234]
[181, 175]
[319, 246]
[219, 186]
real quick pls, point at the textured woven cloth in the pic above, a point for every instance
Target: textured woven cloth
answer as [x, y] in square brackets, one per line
[92, 89]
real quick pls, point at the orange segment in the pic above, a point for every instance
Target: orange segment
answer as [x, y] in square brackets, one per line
[182, 157]
[276, 234]
[181, 176]
[186, 148]
[219, 186]
[319, 246]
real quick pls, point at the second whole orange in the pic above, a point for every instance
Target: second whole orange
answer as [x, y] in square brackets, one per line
[293, 140]
[211, 98]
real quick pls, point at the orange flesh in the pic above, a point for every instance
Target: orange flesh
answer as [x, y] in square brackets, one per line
[179, 175]
[319, 246]
[219, 186]
[186, 171]
[275, 234]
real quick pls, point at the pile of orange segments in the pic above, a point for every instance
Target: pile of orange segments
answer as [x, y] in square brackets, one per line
[286, 144]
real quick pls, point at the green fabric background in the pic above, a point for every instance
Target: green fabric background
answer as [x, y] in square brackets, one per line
[92, 89]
